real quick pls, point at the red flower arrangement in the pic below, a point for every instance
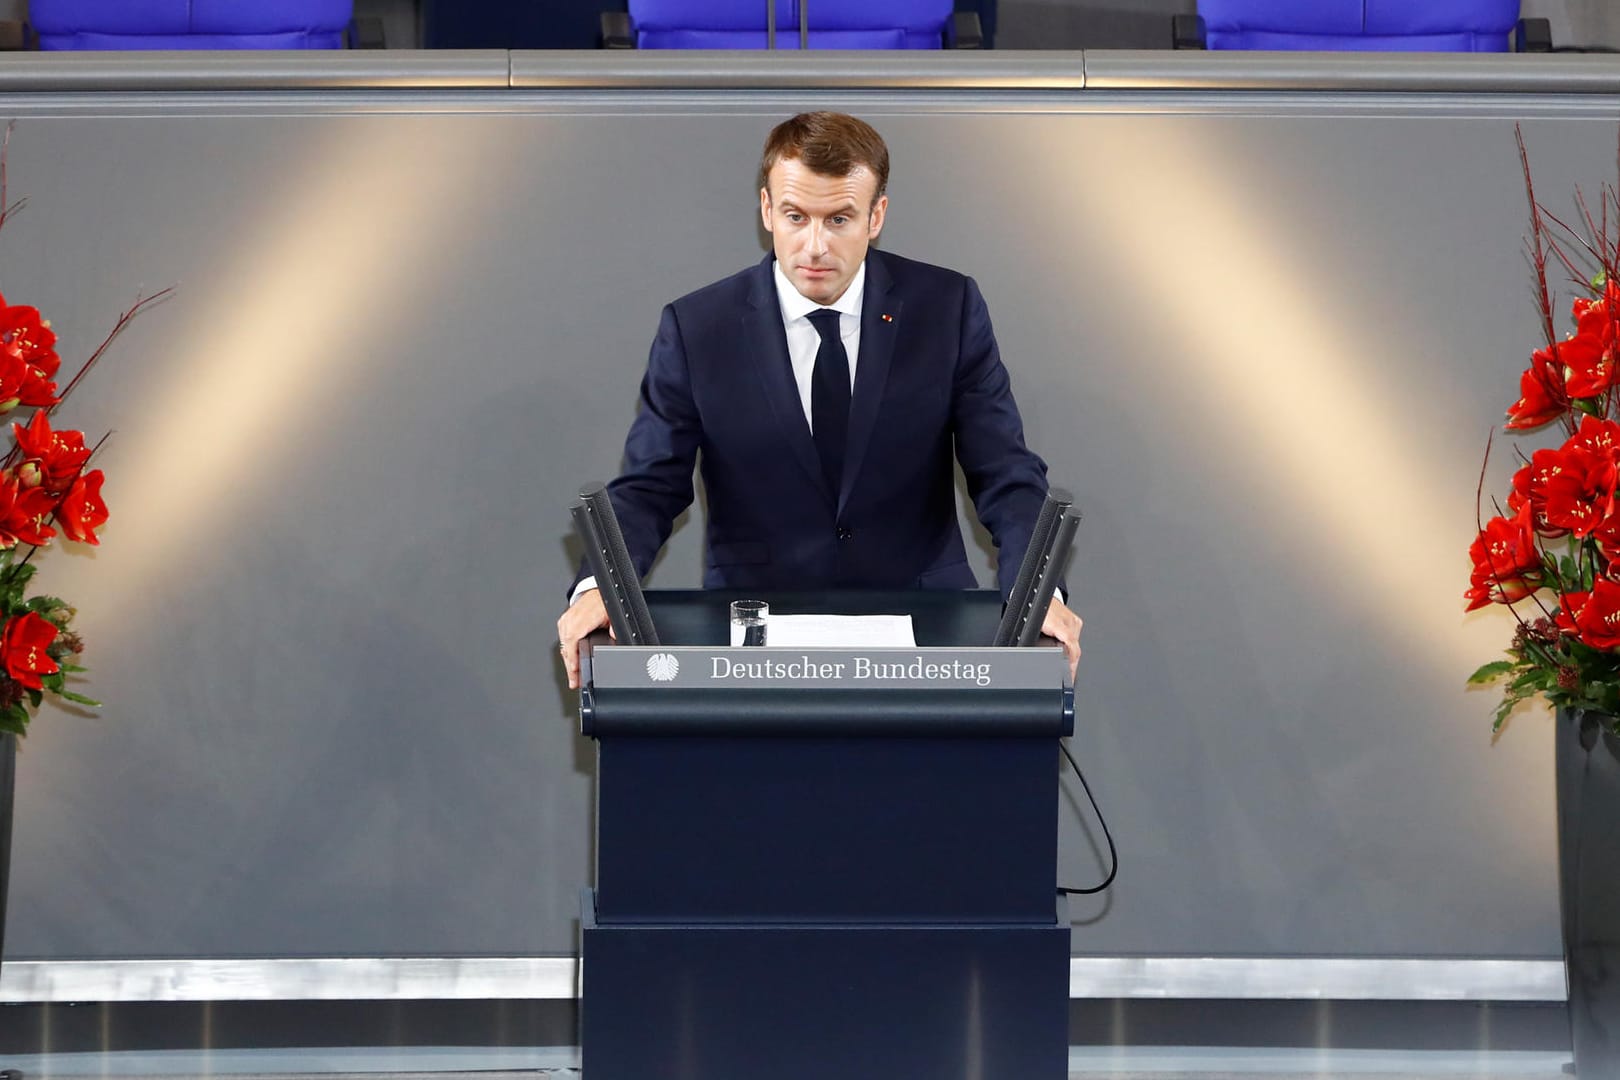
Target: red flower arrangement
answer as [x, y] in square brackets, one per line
[46, 485]
[1552, 553]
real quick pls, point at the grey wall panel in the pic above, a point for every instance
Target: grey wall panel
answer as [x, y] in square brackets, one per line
[1263, 344]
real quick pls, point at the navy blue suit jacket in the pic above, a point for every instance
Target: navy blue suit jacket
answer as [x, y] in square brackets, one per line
[929, 384]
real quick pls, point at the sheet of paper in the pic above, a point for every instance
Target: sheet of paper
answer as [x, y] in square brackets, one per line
[839, 631]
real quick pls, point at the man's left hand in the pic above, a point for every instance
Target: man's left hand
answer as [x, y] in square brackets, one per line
[1064, 625]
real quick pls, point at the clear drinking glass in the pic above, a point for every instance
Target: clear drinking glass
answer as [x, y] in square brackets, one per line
[748, 619]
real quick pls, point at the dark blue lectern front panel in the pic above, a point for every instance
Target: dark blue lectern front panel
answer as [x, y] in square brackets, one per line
[861, 829]
[814, 1002]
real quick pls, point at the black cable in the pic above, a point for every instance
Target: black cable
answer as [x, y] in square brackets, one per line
[1113, 852]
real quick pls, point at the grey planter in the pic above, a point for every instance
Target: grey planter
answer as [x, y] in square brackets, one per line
[8, 787]
[1588, 780]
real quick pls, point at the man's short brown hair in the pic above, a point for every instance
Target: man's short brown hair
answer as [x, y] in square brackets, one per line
[829, 143]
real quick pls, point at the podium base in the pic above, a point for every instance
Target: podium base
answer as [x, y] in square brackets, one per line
[809, 1001]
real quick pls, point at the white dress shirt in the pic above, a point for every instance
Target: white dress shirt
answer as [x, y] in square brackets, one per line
[803, 340]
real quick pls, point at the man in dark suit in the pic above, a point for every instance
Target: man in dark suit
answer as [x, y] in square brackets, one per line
[828, 389]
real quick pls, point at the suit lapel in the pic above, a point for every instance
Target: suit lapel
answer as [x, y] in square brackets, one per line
[768, 355]
[880, 319]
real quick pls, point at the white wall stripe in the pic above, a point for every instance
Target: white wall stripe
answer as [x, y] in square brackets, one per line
[557, 977]
[1336, 979]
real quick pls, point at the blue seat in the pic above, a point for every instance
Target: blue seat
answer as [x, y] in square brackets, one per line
[833, 24]
[190, 24]
[1364, 25]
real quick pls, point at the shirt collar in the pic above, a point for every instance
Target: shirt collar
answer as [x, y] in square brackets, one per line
[796, 306]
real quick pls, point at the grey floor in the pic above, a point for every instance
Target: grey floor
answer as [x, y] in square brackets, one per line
[1127, 1063]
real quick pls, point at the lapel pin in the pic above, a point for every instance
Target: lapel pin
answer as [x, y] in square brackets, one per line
[888, 318]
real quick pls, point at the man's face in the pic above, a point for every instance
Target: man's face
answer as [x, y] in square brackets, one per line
[820, 225]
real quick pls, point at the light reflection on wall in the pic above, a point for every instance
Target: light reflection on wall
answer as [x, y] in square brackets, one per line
[1286, 384]
[284, 322]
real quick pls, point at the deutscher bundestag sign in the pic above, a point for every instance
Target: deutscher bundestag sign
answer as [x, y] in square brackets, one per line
[695, 668]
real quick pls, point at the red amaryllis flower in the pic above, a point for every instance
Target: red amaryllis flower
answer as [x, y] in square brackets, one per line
[28, 337]
[1530, 489]
[22, 384]
[1607, 536]
[1564, 617]
[1593, 618]
[59, 455]
[81, 511]
[1591, 356]
[1542, 395]
[1586, 308]
[1591, 363]
[36, 391]
[24, 514]
[1507, 563]
[1576, 487]
[23, 649]
[1598, 436]
[13, 374]
[1519, 497]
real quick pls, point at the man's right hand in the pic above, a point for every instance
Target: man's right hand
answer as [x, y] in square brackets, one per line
[584, 616]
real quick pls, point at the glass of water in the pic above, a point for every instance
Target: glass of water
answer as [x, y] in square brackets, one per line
[748, 619]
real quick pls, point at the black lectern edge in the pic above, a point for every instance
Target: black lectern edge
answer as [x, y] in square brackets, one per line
[799, 711]
[589, 921]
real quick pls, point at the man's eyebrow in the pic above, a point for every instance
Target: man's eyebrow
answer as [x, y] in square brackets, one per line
[786, 205]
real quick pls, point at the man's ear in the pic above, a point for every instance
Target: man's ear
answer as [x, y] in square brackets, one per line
[880, 210]
[765, 207]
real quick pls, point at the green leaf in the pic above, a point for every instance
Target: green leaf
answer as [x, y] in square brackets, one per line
[1605, 697]
[79, 699]
[72, 668]
[45, 605]
[1533, 679]
[13, 585]
[1491, 672]
[1509, 702]
[52, 682]
[14, 720]
[1591, 406]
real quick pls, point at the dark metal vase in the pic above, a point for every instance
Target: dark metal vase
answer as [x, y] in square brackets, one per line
[8, 787]
[1588, 774]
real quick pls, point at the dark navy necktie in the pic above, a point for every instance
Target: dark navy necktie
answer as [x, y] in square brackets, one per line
[829, 397]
